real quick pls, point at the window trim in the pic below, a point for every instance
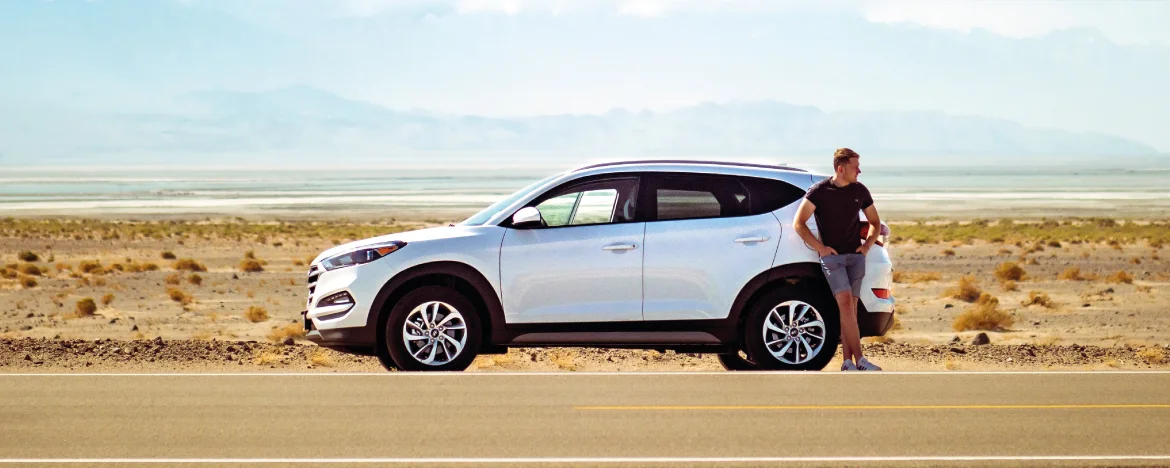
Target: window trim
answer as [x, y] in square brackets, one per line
[575, 184]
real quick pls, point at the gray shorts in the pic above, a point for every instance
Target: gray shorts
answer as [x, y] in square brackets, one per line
[844, 272]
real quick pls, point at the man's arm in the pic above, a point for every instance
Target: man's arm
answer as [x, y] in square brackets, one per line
[801, 224]
[875, 228]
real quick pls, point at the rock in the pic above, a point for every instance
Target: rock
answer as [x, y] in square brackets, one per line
[1009, 359]
[235, 277]
[134, 328]
[1085, 304]
[948, 306]
[229, 358]
[231, 349]
[1107, 291]
[30, 315]
[956, 339]
[26, 328]
[113, 321]
[158, 340]
[289, 341]
[27, 357]
[981, 339]
[1036, 324]
[957, 350]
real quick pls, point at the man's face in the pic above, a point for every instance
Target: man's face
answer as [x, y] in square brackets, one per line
[849, 172]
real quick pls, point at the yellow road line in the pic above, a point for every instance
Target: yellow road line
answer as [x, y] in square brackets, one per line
[861, 407]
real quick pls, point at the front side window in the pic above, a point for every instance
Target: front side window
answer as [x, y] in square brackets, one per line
[698, 196]
[595, 202]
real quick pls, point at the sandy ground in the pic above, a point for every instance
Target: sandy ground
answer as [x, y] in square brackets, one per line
[1123, 324]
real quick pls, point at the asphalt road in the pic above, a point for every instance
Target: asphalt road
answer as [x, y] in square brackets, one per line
[623, 419]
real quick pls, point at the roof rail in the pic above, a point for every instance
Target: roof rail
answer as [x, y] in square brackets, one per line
[689, 161]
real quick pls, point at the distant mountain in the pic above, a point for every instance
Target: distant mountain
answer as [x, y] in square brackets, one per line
[302, 123]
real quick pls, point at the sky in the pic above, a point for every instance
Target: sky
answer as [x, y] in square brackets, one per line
[1078, 65]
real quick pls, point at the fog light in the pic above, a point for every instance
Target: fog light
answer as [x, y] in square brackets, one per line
[335, 299]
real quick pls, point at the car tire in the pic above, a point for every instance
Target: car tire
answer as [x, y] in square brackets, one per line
[447, 323]
[806, 319]
[737, 362]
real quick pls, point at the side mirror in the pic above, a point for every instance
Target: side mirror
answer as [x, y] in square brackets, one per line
[527, 217]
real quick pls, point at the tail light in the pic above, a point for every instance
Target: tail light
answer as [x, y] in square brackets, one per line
[881, 293]
[883, 233]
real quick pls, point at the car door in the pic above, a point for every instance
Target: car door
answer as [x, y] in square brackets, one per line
[703, 244]
[584, 264]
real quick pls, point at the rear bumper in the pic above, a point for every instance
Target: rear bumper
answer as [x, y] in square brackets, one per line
[874, 323]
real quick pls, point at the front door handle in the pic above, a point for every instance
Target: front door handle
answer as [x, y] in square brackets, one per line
[744, 240]
[619, 247]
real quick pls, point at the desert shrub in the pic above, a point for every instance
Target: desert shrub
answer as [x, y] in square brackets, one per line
[292, 330]
[1135, 261]
[1004, 252]
[168, 255]
[99, 282]
[27, 256]
[107, 299]
[250, 254]
[1009, 271]
[179, 296]
[86, 307]
[28, 282]
[1054, 244]
[966, 290]
[1038, 298]
[30, 269]
[1071, 274]
[1009, 285]
[195, 279]
[1120, 277]
[1152, 355]
[948, 253]
[916, 276]
[298, 262]
[172, 279]
[149, 267]
[8, 274]
[985, 314]
[189, 264]
[256, 314]
[251, 265]
[91, 267]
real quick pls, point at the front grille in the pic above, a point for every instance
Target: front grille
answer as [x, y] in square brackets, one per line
[314, 273]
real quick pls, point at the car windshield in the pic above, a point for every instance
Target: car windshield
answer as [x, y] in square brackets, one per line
[482, 217]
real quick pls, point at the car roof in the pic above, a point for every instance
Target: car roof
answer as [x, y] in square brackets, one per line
[799, 177]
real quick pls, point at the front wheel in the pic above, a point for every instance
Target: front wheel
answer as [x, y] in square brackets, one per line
[793, 329]
[433, 328]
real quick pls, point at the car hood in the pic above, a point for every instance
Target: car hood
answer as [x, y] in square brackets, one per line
[421, 235]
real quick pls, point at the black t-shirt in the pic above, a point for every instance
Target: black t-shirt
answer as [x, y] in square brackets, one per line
[837, 213]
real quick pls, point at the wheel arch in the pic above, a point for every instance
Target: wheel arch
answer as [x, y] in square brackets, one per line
[790, 274]
[456, 275]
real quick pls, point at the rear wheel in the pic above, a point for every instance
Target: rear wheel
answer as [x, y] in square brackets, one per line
[433, 328]
[793, 329]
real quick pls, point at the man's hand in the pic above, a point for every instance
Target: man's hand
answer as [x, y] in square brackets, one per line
[864, 249]
[825, 251]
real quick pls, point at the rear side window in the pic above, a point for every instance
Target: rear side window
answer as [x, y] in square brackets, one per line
[698, 196]
[769, 194]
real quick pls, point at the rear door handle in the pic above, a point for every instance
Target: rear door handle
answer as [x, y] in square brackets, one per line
[744, 240]
[614, 247]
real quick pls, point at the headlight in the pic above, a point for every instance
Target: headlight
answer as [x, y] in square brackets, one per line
[362, 255]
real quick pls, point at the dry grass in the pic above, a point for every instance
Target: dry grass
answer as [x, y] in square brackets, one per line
[1038, 298]
[189, 264]
[916, 276]
[172, 279]
[882, 339]
[28, 282]
[267, 358]
[985, 314]
[99, 282]
[149, 267]
[195, 279]
[1009, 271]
[93, 267]
[107, 299]
[298, 262]
[948, 253]
[27, 256]
[86, 307]
[1009, 285]
[256, 314]
[292, 330]
[1120, 277]
[179, 296]
[168, 255]
[966, 290]
[1135, 261]
[321, 359]
[1070, 274]
[1152, 355]
[251, 265]
[563, 359]
[30, 269]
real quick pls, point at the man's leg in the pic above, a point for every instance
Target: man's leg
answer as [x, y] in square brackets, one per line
[850, 336]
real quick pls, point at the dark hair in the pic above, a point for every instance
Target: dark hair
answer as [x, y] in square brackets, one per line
[842, 156]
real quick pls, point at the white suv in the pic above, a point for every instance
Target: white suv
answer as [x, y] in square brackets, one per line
[692, 256]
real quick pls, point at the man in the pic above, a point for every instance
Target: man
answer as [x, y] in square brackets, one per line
[835, 202]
